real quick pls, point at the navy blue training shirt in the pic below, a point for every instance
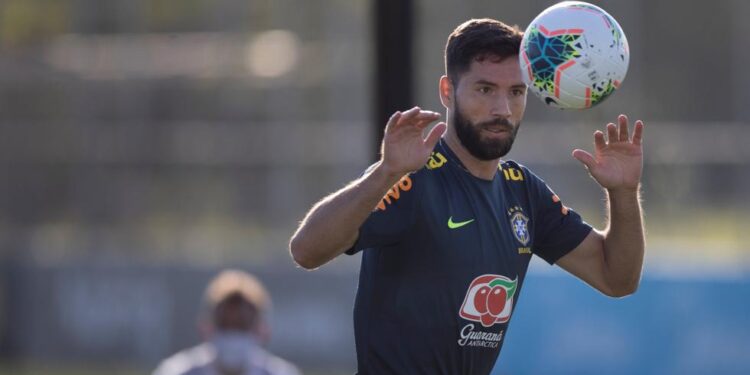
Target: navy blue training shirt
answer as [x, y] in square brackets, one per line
[444, 258]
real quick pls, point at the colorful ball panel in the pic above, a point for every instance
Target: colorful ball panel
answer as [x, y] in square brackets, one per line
[574, 55]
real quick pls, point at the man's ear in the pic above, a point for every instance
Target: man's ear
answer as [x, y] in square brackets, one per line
[446, 92]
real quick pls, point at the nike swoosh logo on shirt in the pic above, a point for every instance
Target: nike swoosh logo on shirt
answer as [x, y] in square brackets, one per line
[454, 225]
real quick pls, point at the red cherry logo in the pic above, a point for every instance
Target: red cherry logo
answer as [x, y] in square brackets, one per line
[480, 299]
[487, 320]
[496, 300]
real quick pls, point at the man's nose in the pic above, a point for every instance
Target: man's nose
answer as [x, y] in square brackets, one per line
[501, 107]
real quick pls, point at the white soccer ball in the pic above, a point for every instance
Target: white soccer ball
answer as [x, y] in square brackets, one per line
[574, 55]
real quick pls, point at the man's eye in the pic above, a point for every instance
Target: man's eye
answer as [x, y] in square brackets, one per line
[485, 90]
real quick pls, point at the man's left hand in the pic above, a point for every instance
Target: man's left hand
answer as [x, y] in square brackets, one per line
[618, 160]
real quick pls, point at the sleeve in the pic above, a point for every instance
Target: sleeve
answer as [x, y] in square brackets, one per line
[179, 364]
[278, 366]
[391, 218]
[557, 229]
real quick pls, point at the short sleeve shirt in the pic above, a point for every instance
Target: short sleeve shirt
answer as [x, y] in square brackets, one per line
[444, 258]
[200, 360]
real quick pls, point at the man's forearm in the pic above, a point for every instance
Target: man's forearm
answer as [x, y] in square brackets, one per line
[624, 241]
[332, 225]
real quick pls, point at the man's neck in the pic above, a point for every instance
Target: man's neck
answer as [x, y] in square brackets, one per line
[484, 169]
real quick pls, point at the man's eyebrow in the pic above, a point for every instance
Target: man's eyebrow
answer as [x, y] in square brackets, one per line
[485, 82]
[493, 84]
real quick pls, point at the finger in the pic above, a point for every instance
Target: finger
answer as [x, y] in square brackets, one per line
[623, 122]
[638, 133]
[585, 158]
[408, 116]
[425, 118]
[423, 114]
[393, 120]
[612, 132]
[434, 135]
[599, 142]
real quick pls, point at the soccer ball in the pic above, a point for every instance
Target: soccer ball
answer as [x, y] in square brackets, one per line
[574, 55]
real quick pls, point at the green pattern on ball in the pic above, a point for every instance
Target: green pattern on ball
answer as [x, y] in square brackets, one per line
[600, 93]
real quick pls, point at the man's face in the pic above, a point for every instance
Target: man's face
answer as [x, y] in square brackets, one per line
[235, 320]
[235, 314]
[489, 102]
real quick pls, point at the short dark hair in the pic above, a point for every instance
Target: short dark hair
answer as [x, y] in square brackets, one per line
[479, 39]
[234, 284]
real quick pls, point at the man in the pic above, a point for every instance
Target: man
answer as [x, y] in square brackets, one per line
[234, 322]
[447, 229]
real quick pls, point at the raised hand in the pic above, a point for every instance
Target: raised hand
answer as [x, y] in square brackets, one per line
[617, 161]
[404, 149]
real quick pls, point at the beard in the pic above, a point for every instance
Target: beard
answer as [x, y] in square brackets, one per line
[470, 136]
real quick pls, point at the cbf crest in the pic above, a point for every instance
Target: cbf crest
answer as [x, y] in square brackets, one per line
[519, 224]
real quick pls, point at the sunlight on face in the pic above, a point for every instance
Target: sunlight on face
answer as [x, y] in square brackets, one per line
[490, 100]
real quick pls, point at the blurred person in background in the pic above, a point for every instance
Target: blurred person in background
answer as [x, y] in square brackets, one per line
[234, 325]
[447, 228]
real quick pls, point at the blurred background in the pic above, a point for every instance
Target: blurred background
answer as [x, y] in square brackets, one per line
[145, 145]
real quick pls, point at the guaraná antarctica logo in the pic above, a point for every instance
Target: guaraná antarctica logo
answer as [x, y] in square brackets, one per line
[489, 300]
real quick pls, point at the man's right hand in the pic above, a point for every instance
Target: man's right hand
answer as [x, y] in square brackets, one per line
[332, 225]
[404, 149]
